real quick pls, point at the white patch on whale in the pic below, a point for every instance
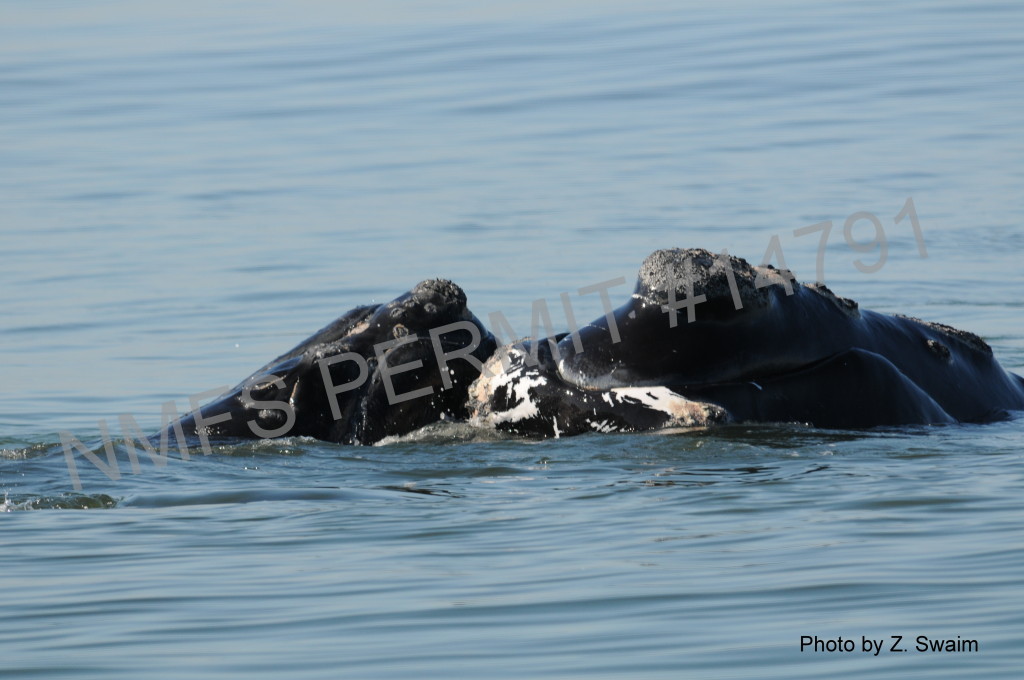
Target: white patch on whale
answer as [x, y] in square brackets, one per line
[525, 408]
[679, 409]
[602, 426]
[493, 378]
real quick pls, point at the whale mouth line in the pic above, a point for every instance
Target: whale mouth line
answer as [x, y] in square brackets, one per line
[607, 380]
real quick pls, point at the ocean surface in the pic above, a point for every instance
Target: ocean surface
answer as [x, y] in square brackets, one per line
[189, 189]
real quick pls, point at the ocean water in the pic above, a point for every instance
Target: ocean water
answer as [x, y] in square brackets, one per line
[189, 190]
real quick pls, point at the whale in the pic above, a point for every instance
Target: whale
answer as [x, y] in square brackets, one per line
[703, 340]
[370, 374]
[756, 346]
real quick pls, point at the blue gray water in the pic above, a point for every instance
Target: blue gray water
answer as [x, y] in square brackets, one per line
[190, 189]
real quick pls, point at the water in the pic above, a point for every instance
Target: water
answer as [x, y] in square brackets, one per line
[190, 190]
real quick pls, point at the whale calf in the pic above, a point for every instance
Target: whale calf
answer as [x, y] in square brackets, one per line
[370, 374]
